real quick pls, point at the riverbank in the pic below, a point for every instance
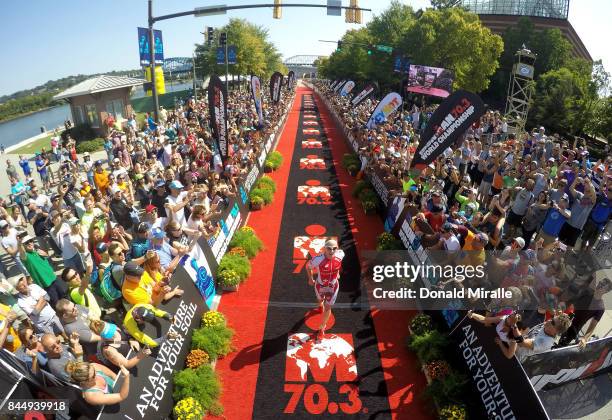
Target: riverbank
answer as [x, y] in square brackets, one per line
[25, 114]
[42, 140]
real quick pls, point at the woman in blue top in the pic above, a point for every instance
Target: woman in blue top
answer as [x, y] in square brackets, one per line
[97, 382]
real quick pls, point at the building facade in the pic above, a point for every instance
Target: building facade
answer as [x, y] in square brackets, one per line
[499, 15]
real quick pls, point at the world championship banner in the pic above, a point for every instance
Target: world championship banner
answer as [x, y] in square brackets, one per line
[448, 122]
[385, 107]
[361, 96]
[256, 93]
[217, 104]
[276, 82]
[290, 80]
[346, 89]
[503, 386]
[556, 367]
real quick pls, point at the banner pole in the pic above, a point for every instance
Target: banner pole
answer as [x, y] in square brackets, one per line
[458, 324]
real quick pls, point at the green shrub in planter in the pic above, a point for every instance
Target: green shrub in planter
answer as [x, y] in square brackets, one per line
[256, 202]
[448, 390]
[229, 278]
[248, 241]
[240, 265]
[215, 340]
[90, 146]
[266, 194]
[367, 194]
[265, 182]
[275, 158]
[421, 324]
[369, 206]
[428, 346]
[353, 169]
[386, 241]
[201, 384]
[349, 159]
[360, 186]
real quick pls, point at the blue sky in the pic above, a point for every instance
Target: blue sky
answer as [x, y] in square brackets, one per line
[45, 40]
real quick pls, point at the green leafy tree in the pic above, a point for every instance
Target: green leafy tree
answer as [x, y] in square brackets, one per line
[255, 54]
[455, 39]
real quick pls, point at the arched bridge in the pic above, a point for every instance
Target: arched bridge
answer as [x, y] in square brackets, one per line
[302, 64]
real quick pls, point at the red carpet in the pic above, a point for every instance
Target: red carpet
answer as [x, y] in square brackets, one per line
[377, 378]
[246, 309]
[405, 381]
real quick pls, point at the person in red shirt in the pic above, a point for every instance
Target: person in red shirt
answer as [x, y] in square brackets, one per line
[327, 267]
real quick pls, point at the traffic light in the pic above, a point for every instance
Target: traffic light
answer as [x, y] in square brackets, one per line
[211, 34]
[223, 39]
[278, 11]
[339, 48]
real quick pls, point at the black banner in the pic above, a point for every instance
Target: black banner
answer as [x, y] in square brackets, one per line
[276, 82]
[217, 104]
[290, 80]
[503, 386]
[556, 367]
[367, 91]
[151, 382]
[447, 123]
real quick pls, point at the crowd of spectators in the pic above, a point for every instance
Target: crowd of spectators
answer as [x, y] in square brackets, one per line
[115, 230]
[525, 204]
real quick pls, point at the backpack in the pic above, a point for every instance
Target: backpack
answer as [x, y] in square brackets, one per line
[109, 289]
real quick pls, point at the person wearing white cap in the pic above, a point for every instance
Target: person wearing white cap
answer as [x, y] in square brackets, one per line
[326, 266]
[176, 202]
[10, 243]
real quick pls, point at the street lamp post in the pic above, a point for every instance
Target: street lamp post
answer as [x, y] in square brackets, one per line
[152, 64]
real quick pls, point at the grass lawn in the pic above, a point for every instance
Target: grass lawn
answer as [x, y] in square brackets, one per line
[34, 147]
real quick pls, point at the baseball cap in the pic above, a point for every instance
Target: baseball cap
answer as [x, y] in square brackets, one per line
[27, 238]
[85, 154]
[98, 163]
[102, 247]
[3, 224]
[520, 241]
[176, 185]
[142, 227]
[483, 237]
[158, 233]
[150, 208]
[141, 314]
[132, 269]
[115, 189]
[116, 160]
[160, 183]
[73, 221]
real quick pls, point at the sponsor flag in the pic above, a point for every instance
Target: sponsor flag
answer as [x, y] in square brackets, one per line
[339, 86]
[220, 55]
[290, 80]
[256, 93]
[398, 63]
[384, 108]
[217, 104]
[276, 82]
[347, 88]
[361, 96]
[447, 123]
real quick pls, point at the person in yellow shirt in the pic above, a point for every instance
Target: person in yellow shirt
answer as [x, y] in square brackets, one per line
[9, 339]
[135, 321]
[101, 177]
[473, 249]
[136, 289]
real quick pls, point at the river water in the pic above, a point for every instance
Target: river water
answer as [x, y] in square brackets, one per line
[19, 129]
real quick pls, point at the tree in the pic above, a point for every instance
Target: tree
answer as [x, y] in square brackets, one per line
[255, 54]
[601, 123]
[455, 39]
